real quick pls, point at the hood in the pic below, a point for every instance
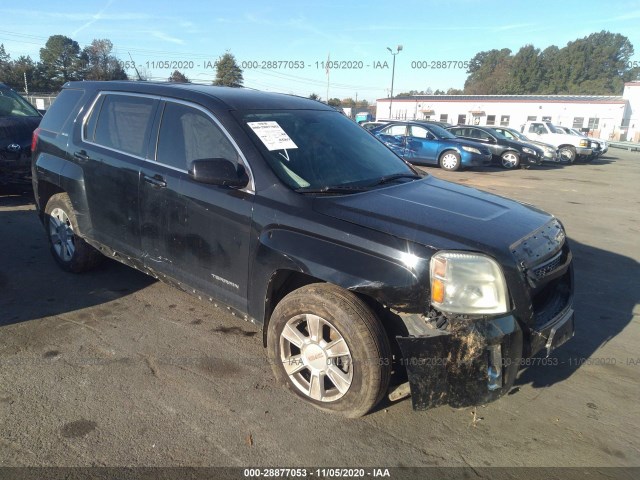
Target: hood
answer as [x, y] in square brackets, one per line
[17, 130]
[438, 214]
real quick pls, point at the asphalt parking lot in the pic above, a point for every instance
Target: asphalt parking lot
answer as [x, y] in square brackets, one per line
[112, 368]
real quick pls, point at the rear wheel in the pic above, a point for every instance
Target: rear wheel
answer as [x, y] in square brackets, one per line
[328, 347]
[70, 251]
[510, 160]
[450, 160]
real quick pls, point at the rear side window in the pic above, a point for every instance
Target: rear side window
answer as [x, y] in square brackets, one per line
[65, 104]
[188, 134]
[123, 123]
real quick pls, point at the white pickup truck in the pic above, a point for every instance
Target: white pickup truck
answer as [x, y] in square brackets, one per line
[570, 147]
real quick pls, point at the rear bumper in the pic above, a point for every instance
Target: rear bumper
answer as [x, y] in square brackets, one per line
[475, 364]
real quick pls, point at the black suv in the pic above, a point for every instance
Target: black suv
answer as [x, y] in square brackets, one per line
[18, 120]
[355, 264]
[508, 153]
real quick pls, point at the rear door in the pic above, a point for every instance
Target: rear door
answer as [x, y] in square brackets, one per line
[395, 136]
[113, 147]
[195, 233]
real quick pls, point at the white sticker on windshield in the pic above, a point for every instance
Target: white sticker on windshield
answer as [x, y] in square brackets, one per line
[272, 135]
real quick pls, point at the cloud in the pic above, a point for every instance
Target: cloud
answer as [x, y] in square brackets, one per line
[163, 36]
[93, 20]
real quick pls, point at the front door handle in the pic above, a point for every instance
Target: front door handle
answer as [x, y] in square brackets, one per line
[156, 181]
[81, 155]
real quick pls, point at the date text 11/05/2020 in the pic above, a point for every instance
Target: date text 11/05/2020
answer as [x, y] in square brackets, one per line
[298, 64]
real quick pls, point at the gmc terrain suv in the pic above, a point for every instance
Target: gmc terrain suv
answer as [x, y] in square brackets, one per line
[362, 271]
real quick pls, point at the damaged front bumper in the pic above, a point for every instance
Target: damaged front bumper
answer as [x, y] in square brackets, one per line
[473, 363]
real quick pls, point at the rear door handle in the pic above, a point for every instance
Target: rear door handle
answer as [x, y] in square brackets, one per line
[156, 181]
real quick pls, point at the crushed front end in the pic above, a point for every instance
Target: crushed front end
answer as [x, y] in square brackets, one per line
[461, 359]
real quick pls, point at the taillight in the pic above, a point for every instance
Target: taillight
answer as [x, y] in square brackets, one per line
[34, 139]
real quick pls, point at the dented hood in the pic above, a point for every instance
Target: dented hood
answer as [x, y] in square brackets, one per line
[437, 213]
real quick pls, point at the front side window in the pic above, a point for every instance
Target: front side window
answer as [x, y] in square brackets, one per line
[318, 149]
[419, 132]
[187, 134]
[123, 123]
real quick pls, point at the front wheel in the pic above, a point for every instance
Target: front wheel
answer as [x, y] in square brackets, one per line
[450, 160]
[567, 154]
[510, 160]
[328, 347]
[70, 251]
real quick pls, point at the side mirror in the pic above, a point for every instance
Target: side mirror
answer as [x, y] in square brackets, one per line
[219, 171]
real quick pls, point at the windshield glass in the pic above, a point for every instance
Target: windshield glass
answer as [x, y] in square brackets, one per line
[440, 132]
[13, 105]
[315, 149]
[551, 128]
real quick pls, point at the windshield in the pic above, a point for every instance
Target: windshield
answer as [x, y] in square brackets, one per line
[440, 132]
[551, 128]
[315, 149]
[13, 105]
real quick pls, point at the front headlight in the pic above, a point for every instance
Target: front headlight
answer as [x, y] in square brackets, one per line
[584, 143]
[471, 150]
[528, 150]
[549, 150]
[467, 283]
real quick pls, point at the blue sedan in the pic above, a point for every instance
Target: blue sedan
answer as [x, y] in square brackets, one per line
[430, 144]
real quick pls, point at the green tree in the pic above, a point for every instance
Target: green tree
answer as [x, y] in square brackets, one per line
[61, 60]
[489, 73]
[315, 96]
[178, 77]
[99, 63]
[228, 73]
[335, 102]
[525, 71]
[5, 65]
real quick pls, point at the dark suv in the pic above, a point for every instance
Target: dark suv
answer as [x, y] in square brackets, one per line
[353, 263]
[507, 153]
[18, 120]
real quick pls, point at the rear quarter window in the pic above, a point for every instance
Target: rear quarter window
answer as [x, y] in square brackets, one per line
[59, 113]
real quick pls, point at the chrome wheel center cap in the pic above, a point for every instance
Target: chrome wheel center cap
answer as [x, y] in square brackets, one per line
[315, 357]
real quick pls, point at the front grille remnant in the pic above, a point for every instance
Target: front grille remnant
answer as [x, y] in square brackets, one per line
[548, 267]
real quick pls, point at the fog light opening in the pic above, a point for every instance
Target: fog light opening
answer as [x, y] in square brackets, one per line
[494, 367]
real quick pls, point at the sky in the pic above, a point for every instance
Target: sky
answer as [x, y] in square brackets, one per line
[286, 46]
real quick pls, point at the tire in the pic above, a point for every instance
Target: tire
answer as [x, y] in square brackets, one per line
[322, 332]
[567, 154]
[510, 160]
[450, 160]
[70, 251]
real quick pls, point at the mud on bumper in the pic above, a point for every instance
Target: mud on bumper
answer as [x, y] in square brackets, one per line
[473, 364]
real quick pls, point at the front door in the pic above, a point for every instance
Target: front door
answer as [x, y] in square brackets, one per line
[197, 234]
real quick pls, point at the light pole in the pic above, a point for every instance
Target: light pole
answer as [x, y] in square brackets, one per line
[393, 74]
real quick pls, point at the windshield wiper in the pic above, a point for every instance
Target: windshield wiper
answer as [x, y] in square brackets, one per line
[395, 176]
[332, 189]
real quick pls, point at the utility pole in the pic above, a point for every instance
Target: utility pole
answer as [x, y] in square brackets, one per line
[393, 74]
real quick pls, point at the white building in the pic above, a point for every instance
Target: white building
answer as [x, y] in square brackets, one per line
[608, 117]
